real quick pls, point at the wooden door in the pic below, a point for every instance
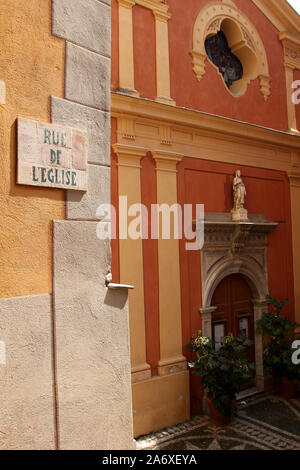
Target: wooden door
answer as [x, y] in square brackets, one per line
[235, 313]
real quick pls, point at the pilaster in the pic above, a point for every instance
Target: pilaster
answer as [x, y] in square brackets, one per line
[162, 57]
[291, 47]
[171, 358]
[126, 60]
[131, 257]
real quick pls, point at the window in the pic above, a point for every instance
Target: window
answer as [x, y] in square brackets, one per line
[220, 54]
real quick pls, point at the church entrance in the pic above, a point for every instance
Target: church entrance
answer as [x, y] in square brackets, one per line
[234, 312]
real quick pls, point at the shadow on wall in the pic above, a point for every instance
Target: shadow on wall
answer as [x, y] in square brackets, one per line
[116, 301]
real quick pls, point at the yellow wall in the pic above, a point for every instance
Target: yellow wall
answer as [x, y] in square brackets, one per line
[32, 66]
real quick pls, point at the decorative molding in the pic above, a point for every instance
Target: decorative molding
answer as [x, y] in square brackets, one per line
[294, 179]
[166, 161]
[199, 60]
[236, 248]
[280, 13]
[140, 373]
[129, 150]
[193, 130]
[231, 247]
[129, 156]
[127, 126]
[127, 3]
[206, 316]
[291, 46]
[265, 85]
[165, 135]
[172, 365]
[244, 42]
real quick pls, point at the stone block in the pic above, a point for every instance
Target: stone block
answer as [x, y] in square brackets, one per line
[92, 337]
[26, 377]
[87, 77]
[84, 22]
[97, 124]
[84, 206]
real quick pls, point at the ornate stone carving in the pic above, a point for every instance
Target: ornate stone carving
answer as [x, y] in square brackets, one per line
[248, 39]
[265, 85]
[244, 41]
[231, 248]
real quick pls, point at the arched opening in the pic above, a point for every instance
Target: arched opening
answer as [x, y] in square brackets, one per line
[244, 48]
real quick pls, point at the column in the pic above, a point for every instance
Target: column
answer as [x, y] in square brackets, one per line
[131, 258]
[292, 121]
[162, 58]
[291, 47]
[265, 383]
[126, 61]
[206, 314]
[171, 358]
[295, 204]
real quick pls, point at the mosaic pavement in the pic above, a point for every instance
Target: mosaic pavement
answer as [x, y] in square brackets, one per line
[267, 422]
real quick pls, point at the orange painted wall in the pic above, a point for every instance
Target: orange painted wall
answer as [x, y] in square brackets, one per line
[144, 52]
[210, 183]
[297, 77]
[210, 95]
[32, 66]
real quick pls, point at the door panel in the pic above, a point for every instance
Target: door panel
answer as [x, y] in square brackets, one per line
[232, 298]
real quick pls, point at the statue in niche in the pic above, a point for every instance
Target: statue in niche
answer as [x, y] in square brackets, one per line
[238, 212]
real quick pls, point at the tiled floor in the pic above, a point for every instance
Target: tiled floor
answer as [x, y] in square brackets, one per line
[267, 422]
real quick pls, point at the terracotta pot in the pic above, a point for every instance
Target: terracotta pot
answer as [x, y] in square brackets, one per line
[217, 416]
[287, 388]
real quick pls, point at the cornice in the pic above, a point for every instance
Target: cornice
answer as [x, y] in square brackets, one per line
[122, 150]
[167, 156]
[294, 178]
[291, 45]
[280, 13]
[166, 161]
[127, 3]
[125, 106]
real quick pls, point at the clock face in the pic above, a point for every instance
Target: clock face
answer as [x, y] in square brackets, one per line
[220, 54]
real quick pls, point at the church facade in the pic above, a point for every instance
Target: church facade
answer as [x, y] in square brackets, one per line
[163, 111]
[203, 91]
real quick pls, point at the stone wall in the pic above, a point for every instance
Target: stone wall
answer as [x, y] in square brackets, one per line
[92, 330]
[64, 355]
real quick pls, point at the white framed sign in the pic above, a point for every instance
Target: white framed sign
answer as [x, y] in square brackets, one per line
[52, 156]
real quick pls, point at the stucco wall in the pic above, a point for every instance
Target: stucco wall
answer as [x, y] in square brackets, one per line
[91, 322]
[32, 67]
[66, 379]
[210, 94]
[27, 418]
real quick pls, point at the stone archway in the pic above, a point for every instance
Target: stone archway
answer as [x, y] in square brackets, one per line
[236, 248]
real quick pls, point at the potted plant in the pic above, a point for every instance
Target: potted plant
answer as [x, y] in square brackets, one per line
[278, 336]
[224, 371]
